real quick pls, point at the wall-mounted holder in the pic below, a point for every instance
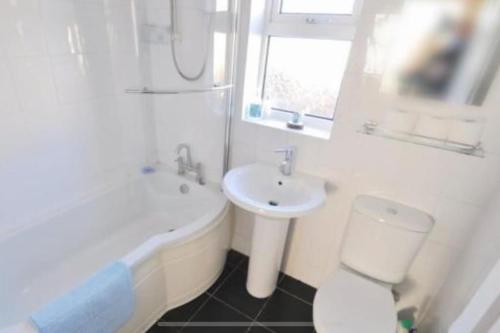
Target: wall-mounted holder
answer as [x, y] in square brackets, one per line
[296, 122]
[149, 91]
[372, 128]
[155, 34]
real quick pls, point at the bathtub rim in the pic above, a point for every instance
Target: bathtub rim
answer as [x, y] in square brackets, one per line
[193, 230]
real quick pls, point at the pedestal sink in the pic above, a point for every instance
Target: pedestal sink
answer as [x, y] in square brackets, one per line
[274, 199]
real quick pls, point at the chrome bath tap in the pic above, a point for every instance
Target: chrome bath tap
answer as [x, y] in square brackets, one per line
[185, 164]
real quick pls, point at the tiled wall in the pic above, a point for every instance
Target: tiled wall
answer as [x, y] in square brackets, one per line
[66, 127]
[195, 119]
[451, 187]
[476, 262]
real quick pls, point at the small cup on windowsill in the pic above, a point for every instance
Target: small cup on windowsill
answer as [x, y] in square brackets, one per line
[296, 122]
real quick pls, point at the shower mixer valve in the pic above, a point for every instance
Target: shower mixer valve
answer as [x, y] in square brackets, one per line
[185, 163]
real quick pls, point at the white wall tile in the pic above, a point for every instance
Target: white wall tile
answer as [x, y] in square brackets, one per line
[134, 117]
[426, 276]
[455, 221]
[75, 27]
[243, 154]
[267, 140]
[8, 100]
[81, 77]
[195, 120]
[121, 25]
[21, 28]
[470, 179]
[475, 261]
[127, 72]
[34, 84]
[65, 131]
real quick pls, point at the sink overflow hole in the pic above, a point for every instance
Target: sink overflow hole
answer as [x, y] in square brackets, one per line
[273, 203]
[280, 183]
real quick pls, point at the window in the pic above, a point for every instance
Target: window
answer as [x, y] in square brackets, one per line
[337, 7]
[304, 57]
[312, 88]
[221, 6]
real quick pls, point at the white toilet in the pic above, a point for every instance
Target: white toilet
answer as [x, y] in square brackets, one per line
[381, 241]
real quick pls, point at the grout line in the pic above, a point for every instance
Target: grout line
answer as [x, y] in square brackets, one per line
[210, 296]
[294, 296]
[254, 321]
[233, 308]
[195, 313]
[262, 308]
[211, 293]
[242, 257]
[283, 276]
[260, 312]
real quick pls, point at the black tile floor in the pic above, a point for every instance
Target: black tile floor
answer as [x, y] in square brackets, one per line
[228, 307]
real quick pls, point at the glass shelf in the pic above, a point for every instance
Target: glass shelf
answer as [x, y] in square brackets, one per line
[372, 128]
[145, 90]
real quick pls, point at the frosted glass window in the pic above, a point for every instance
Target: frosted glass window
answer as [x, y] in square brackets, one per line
[339, 7]
[305, 75]
[221, 6]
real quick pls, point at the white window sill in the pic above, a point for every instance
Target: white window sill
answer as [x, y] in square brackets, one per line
[313, 127]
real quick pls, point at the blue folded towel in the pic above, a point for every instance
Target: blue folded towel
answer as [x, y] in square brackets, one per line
[101, 305]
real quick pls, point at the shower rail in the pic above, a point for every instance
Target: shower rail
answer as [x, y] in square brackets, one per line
[146, 90]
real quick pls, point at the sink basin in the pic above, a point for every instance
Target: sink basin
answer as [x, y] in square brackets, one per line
[274, 199]
[263, 190]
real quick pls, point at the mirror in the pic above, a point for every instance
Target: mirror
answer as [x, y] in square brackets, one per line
[444, 49]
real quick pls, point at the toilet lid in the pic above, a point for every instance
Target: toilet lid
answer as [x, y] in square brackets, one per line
[349, 303]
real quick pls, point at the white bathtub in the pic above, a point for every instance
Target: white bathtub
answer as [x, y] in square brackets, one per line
[174, 243]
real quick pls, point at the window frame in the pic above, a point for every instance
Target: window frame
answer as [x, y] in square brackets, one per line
[308, 26]
[278, 16]
[262, 86]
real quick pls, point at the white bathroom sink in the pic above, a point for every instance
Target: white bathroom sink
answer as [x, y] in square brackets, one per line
[263, 190]
[274, 199]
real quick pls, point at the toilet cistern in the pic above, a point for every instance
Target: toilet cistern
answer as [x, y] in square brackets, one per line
[381, 241]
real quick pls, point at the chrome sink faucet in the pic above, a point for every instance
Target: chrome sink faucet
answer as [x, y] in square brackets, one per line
[286, 166]
[185, 164]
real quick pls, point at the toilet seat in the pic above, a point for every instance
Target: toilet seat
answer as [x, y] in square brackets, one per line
[349, 303]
